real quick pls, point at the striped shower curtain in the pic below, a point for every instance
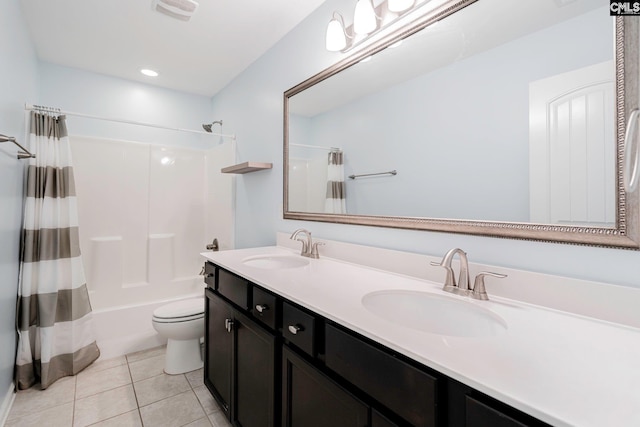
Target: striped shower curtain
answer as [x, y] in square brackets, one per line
[54, 320]
[335, 201]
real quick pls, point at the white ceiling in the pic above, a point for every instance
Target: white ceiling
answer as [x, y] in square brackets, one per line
[118, 37]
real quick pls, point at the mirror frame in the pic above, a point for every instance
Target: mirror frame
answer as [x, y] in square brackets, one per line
[625, 233]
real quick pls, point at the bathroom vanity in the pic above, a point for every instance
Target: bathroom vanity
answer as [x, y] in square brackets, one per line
[293, 341]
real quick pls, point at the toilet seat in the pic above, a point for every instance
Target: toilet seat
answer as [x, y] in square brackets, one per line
[177, 319]
[180, 311]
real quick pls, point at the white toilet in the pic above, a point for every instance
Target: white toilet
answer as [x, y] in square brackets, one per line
[182, 323]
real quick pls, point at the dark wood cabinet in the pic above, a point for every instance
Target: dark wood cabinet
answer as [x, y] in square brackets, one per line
[265, 307]
[479, 414]
[310, 399]
[467, 407]
[299, 328]
[409, 392]
[234, 288]
[379, 420]
[218, 349]
[241, 364]
[270, 362]
[210, 275]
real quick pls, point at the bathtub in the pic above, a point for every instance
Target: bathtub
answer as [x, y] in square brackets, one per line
[127, 329]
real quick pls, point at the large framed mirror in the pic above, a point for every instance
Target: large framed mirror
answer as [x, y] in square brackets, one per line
[491, 117]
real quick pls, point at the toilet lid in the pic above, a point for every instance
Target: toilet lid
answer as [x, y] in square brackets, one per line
[178, 309]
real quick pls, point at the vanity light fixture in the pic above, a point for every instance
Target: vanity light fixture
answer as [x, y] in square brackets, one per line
[336, 34]
[367, 21]
[399, 5]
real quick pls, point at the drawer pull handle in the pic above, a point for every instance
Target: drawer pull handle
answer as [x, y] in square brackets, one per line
[261, 308]
[228, 324]
[294, 329]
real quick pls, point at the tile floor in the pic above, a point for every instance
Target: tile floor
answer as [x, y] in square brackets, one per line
[127, 391]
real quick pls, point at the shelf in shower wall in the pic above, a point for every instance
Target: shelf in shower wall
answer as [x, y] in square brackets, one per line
[247, 167]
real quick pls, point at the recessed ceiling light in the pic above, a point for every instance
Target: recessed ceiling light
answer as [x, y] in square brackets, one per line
[148, 72]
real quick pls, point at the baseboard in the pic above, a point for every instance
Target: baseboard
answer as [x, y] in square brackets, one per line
[129, 344]
[7, 402]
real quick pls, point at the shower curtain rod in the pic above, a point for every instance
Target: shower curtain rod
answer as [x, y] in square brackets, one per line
[24, 154]
[316, 147]
[30, 107]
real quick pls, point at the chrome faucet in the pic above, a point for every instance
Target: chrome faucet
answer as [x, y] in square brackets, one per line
[309, 249]
[461, 287]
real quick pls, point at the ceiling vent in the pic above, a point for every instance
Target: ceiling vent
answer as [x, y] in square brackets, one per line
[178, 9]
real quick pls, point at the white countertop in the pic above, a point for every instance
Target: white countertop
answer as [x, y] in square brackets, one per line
[564, 369]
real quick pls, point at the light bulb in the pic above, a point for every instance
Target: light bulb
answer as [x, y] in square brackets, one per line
[336, 39]
[364, 17]
[399, 5]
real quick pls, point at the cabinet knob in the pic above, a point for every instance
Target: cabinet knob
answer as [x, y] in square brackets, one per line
[294, 329]
[261, 308]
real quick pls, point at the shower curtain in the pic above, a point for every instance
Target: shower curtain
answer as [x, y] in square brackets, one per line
[54, 319]
[335, 201]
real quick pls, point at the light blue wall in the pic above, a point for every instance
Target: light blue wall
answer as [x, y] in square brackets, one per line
[18, 81]
[24, 80]
[89, 93]
[252, 107]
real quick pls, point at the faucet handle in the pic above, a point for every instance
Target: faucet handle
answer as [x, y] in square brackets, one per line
[479, 291]
[450, 280]
[314, 249]
[304, 245]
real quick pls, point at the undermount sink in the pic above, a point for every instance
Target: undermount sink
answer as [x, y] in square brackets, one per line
[437, 314]
[275, 262]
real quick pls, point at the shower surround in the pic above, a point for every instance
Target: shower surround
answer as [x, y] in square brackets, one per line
[146, 212]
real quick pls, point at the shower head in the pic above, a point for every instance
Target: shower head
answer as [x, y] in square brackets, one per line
[207, 126]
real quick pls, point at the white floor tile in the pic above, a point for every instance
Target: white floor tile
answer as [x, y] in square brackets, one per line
[160, 387]
[34, 399]
[127, 391]
[196, 378]
[202, 422]
[102, 364]
[147, 368]
[103, 406]
[175, 411]
[58, 416]
[94, 382]
[206, 400]
[129, 419]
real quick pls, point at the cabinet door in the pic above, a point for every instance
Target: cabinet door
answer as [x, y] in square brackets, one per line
[255, 348]
[218, 350]
[405, 390]
[310, 399]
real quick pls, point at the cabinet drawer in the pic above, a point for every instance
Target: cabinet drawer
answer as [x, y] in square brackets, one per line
[210, 275]
[234, 288]
[479, 414]
[404, 389]
[264, 307]
[379, 420]
[298, 327]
